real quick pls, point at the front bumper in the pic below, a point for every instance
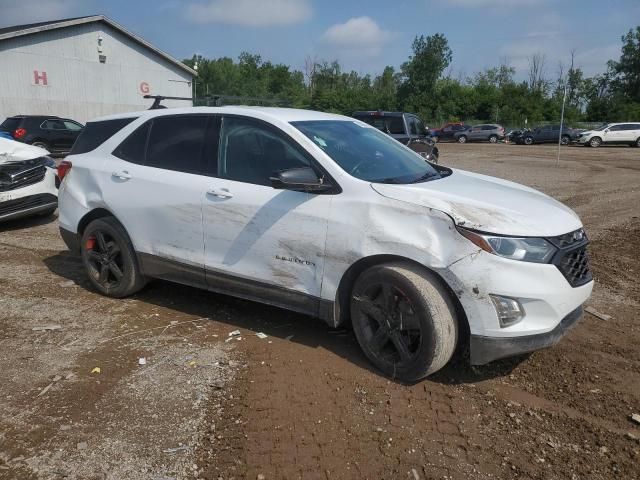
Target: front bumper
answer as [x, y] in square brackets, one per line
[487, 349]
[30, 200]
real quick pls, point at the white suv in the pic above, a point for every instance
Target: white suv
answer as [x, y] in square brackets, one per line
[612, 134]
[325, 215]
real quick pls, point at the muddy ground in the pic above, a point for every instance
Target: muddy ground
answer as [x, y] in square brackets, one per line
[304, 402]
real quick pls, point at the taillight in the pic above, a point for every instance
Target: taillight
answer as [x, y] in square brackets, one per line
[63, 168]
[19, 133]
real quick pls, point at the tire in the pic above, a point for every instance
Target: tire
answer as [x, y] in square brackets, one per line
[565, 140]
[493, 139]
[462, 139]
[110, 260]
[637, 143]
[528, 140]
[595, 142]
[41, 144]
[404, 320]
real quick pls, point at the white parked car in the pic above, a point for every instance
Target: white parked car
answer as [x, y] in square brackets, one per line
[612, 134]
[27, 181]
[325, 215]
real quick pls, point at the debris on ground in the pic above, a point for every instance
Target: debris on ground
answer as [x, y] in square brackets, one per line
[235, 333]
[261, 335]
[142, 361]
[45, 389]
[635, 418]
[96, 370]
[45, 328]
[597, 314]
[176, 449]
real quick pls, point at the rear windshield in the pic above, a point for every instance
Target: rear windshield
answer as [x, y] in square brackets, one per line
[390, 125]
[10, 124]
[96, 133]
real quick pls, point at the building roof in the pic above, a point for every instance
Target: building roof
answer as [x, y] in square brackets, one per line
[33, 28]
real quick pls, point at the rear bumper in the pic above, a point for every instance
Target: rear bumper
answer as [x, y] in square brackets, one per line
[487, 349]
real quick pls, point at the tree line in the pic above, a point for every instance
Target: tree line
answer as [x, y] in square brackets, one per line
[424, 85]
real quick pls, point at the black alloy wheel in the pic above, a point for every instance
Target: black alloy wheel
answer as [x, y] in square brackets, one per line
[104, 259]
[392, 330]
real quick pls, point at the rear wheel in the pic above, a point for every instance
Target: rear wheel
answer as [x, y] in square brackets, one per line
[493, 139]
[637, 144]
[41, 144]
[404, 320]
[462, 139]
[110, 260]
[595, 142]
[565, 140]
[528, 140]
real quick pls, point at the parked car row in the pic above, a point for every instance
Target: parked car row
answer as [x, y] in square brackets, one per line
[54, 134]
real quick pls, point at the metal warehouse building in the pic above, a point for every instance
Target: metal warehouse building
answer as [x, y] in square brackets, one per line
[82, 68]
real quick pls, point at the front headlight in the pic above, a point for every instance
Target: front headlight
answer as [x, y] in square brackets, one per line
[526, 249]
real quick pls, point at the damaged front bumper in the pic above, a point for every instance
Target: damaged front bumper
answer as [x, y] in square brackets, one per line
[487, 349]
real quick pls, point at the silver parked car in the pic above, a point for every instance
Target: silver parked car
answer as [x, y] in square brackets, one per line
[480, 133]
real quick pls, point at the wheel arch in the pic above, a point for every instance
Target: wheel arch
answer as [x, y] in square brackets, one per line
[342, 313]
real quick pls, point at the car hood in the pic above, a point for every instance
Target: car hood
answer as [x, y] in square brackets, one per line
[488, 204]
[12, 151]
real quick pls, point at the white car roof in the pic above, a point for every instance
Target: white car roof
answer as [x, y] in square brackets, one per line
[266, 113]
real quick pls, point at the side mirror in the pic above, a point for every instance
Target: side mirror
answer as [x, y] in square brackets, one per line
[302, 179]
[606, 130]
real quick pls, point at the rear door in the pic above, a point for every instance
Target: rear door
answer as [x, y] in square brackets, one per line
[260, 241]
[155, 184]
[54, 133]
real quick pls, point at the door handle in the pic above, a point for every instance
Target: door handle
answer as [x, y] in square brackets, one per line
[122, 175]
[219, 192]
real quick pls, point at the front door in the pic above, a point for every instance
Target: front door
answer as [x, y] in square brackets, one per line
[263, 243]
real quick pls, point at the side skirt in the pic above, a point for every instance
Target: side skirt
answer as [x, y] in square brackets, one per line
[227, 284]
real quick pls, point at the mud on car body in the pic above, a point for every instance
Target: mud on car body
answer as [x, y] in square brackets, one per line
[325, 215]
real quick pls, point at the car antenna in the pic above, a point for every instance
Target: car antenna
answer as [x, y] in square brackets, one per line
[159, 98]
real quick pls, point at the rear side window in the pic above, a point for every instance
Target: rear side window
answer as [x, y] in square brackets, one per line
[177, 143]
[95, 134]
[52, 124]
[133, 148]
[10, 124]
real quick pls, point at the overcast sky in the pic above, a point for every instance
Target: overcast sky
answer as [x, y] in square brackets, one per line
[364, 35]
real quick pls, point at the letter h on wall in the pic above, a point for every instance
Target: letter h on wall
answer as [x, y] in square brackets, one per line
[40, 78]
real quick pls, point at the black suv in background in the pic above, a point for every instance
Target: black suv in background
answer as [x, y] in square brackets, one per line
[548, 134]
[54, 134]
[407, 128]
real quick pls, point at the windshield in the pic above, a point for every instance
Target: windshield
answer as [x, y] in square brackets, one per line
[601, 127]
[366, 153]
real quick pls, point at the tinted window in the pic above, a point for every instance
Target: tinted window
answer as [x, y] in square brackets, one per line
[95, 134]
[420, 126]
[252, 152]
[133, 148]
[52, 124]
[488, 127]
[10, 124]
[459, 127]
[392, 125]
[177, 143]
[616, 128]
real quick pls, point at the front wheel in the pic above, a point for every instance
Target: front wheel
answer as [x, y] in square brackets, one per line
[565, 140]
[462, 139]
[404, 320]
[528, 140]
[493, 139]
[110, 260]
[595, 142]
[637, 144]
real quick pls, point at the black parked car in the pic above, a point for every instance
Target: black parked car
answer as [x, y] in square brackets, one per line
[404, 127]
[54, 134]
[547, 134]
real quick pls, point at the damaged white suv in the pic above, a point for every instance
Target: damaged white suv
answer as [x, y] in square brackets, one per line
[325, 215]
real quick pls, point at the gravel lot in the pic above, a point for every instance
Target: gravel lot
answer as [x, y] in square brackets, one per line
[304, 402]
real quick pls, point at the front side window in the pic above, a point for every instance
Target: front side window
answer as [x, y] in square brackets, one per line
[366, 153]
[53, 125]
[413, 125]
[252, 152]
[177, 143]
